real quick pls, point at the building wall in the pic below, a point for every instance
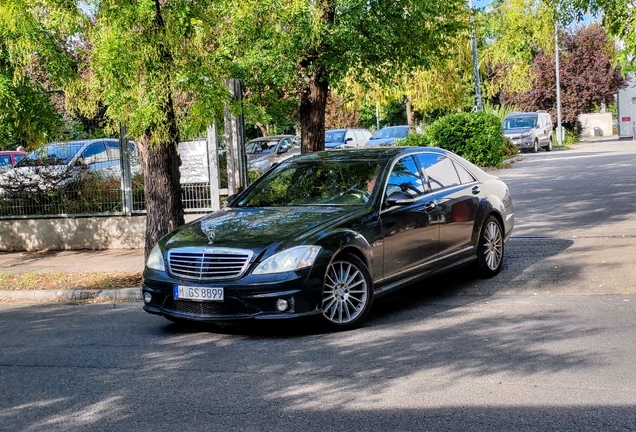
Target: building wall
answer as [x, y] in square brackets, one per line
[590, 121]
[117, 232]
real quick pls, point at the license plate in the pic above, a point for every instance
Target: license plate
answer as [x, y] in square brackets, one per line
[183, 292]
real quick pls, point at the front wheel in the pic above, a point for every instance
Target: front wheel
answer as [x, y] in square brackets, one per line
[347, 293]
[535, 146]
[490, 249]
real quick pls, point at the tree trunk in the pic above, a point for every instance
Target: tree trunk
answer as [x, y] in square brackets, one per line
[160, 161]
[313, 103]
[164, 209]
[409, 113]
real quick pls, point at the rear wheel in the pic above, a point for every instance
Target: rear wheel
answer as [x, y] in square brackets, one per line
[490, 249]
[549, 147]
[347, 293]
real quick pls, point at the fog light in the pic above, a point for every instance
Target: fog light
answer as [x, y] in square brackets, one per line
[147, 297]
[281, 305]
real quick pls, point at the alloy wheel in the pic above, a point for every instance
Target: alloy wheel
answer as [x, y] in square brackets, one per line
[345, 293]
[493, 245]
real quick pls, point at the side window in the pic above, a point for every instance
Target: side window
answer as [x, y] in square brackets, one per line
[359, 137]
[95, 153]
[439, 169]
[464, 176]
[5, 160]
[405, 178]
[113, 150]
[295, 142]
[284, 143]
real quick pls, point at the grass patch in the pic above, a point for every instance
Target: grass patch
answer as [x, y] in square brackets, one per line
[84, 280]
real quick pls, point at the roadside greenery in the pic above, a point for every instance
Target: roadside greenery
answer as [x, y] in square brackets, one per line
[478, 137]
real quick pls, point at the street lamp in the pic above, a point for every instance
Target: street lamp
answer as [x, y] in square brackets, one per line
[558, 83]
[475, 59]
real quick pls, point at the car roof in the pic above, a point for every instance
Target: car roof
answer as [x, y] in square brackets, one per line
[273, 137]
[523, 114]
[366, 153]
[6, 152]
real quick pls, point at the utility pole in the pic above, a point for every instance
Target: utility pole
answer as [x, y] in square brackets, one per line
[479, 105]
[558, 83]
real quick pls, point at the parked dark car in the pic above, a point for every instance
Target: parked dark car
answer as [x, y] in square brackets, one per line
[9, 158]
[325, 233]
[346, 138]
[387, 136]
[264, 152]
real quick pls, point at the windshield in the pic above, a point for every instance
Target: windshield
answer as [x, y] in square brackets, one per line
[258, 147]
[52, 154]
[336, 136]
[333, 183]
[392, 132]
[519, 123]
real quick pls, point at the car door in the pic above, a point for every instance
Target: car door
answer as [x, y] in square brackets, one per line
[411, 230]
[457, 195]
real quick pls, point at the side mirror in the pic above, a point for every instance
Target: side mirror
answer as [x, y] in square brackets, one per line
[283, 150]
[349, 139]
[83, 162]
[399, 198]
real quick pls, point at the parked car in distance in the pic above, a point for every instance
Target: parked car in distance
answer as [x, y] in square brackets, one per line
[387, 136]
[346, 138]
[9, 158]
[55, 164]
[264, 152]
[325, 233]
[529, 130]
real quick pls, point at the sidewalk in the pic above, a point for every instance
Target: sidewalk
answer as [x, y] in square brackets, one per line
[120, 260]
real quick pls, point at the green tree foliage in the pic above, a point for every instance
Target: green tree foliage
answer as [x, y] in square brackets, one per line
[587, 74]
[36, 39]
[478, 137]
[154, 65]
[513, 33]
[313, 45]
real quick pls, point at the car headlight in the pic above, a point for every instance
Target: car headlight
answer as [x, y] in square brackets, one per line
[291, 259]
[526, 134]
[155, 259]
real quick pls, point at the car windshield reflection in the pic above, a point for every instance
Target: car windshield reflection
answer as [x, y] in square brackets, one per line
[333, 183]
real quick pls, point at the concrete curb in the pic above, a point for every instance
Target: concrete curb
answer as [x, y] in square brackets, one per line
[72, 295]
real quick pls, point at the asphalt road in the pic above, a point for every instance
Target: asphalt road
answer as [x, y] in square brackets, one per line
[549, 344]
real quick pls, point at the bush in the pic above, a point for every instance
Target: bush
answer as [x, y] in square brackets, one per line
[477, 137]
[414, 140]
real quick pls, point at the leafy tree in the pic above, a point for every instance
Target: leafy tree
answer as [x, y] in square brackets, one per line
[587, 74]
[315, 44]
[35, 62]
[154, 66]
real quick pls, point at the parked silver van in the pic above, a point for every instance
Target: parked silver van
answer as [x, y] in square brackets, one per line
[529, 130]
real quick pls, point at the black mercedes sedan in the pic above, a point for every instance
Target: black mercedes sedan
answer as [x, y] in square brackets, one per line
[326, 233]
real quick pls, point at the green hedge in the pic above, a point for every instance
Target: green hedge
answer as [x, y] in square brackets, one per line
[477, 137]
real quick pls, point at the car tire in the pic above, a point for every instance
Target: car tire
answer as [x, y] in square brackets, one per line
[347, 293]
[490, 249]
[535, 146]
[549, 146]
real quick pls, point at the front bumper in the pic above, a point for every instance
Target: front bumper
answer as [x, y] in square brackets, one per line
[522, 143]
[248, 298]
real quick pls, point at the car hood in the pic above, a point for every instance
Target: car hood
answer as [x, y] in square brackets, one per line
[257, 229]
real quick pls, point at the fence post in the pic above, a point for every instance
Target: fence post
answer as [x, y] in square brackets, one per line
[235, 134]
[126, 175]
[211, 140]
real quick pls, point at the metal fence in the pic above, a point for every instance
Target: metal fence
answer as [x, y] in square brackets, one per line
[103, 177]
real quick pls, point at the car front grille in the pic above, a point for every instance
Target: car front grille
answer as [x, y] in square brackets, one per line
[208, 263]
[228, 307]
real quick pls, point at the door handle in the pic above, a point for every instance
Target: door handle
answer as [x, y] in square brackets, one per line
[430, 206]
[476, 190]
